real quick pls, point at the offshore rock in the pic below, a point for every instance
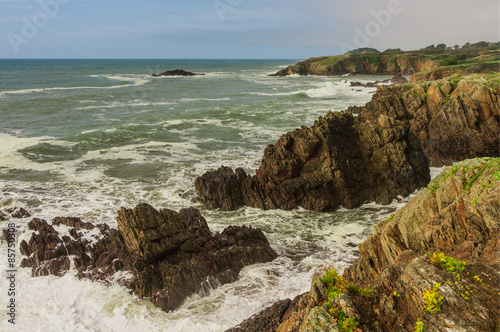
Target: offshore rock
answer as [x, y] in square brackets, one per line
[176, 72]
[457, 215]
[164, 255]
[342, 160]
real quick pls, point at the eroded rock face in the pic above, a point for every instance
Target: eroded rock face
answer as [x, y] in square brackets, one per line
[342, 160]
[457, 215]
[167, 255]
[454, 120]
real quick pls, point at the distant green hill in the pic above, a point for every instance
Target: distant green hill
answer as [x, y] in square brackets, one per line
[432, 61]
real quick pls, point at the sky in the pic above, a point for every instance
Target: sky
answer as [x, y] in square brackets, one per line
[237, 29]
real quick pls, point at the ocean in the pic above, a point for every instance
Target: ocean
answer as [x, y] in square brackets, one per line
[84, 138]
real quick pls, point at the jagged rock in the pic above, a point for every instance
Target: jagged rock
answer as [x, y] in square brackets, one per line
[174, 253]
[342, 160]
[454, 120]
[3, 216]
[72, 222]
[176, 72]
[168, 255]
[47, 253]
[266, 321]
[458, 215]
[458, 208]
[18, 212]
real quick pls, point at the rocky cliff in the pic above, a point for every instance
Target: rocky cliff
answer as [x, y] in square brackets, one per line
[433, 266]
[362, 64]
[346, 160]
[164, 255]
[342, 160]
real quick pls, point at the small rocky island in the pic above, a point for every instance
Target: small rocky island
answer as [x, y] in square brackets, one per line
[176, 72]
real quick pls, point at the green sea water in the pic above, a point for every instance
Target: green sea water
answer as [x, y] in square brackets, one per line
[85, 137]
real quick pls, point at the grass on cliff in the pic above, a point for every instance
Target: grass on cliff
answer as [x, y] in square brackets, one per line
[336, 285]
[447, 263]
[471, 171]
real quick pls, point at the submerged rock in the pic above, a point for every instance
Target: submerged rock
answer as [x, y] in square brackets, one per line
[167, 255]
[434, 263]
[176, 72]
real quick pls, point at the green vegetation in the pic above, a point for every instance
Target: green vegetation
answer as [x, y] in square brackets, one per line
[474, 170]
[433, 299]
[364, 50]
[391, 218]
[449, 61]
[336, 285]
[419, 327]
[344, 323]
[447, 263]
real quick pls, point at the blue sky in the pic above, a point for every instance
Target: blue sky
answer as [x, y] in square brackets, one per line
[286, 29]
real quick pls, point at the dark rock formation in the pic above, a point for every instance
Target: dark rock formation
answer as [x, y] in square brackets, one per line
[267, 320]
[47, 252]
[176, 72]
[170, 255]
[458, 217]
[14, 212]
[342, 160]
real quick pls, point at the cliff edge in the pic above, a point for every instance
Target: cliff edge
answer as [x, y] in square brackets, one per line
[433, 266]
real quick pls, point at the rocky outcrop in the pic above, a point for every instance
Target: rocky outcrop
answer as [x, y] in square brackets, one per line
[164, 255]
[433, 265]
[342, 160]
[454, 119]
[176, 72]
[14, 212]
[363, 64]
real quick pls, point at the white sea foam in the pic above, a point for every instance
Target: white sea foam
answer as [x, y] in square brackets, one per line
[135, 81]
[330, 89]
